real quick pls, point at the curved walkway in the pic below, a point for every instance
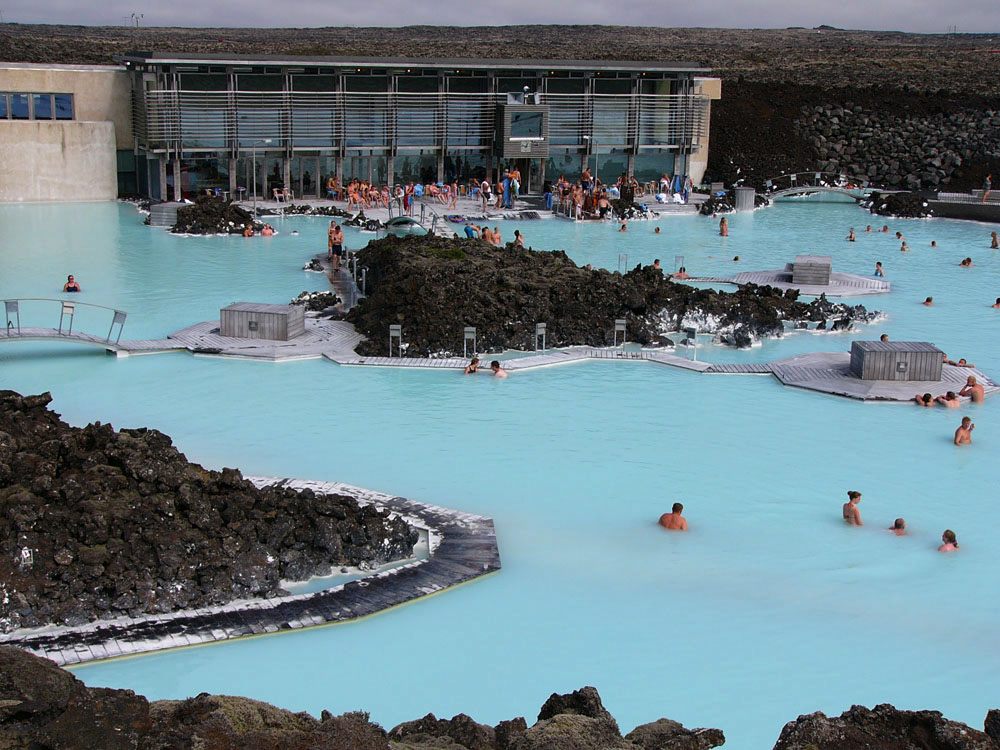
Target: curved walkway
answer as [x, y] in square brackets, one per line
[463, 548]
[841, 284]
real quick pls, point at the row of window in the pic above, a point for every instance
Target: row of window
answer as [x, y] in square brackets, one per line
[17, 106]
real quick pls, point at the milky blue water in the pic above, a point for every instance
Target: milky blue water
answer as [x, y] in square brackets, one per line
[768, 608]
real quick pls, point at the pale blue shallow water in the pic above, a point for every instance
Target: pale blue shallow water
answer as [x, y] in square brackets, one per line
[768, 608]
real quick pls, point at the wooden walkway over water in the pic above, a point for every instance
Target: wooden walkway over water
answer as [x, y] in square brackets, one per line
[841, 284]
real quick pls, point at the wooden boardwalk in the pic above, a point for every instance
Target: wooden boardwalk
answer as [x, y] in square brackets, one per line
[841, 284]
[825, 372]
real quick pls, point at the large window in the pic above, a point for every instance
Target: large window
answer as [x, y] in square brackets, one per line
[31, 106]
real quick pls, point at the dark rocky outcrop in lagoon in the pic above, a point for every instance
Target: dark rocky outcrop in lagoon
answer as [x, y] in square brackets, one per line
[886, 728]
[121, 523]
[212, 215]
[43, 706]
[434, 287]
[903, 205]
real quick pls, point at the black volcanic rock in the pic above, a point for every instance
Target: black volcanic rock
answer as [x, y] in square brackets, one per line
[881, 728]
[120, 523]
[212, 215]
[904, 205]
[434, 287]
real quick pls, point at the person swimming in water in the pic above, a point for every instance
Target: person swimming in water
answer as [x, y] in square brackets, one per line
[71, 285]
[963, 435]
[884, 338]
[498, 371]
[674, 521]
[879, 273]
[924, 400]
[898, 527]
[851, 513]
[473, 367]
[850, 235]
[723, 227]
[967, 263]
[994, 241]
[929, 302]
[996, 304]
[681, 274]
[885, 228]
[949, 542]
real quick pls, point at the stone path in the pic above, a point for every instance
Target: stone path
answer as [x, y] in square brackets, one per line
[463, 548]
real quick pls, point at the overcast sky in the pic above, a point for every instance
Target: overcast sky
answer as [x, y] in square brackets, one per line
[902, 15]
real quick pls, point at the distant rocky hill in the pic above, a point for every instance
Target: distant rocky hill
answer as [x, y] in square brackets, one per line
[770, 77]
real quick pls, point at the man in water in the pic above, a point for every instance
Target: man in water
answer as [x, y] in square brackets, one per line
[472, 231]
[674, 521]
[656, 265]
[950, 400]
[884, 338]
[929, 302]
[973, 390]
[963, 435]
[851, 513]
[498, 371]
[925, 400]
[71, 285]
[682, 274]
[898, 527]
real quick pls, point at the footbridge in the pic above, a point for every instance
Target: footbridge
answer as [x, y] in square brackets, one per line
[63, 314]
[807, 183]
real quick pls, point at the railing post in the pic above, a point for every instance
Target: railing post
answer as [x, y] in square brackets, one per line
[540, 332]
[470, 335]
[11, 306]
[619, 328]
[396, 332]
[68, 308]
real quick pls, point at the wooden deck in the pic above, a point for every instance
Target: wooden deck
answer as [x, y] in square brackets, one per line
[830, 372]
[841, 284]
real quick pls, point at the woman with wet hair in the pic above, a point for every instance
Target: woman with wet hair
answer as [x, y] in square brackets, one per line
[950, 541]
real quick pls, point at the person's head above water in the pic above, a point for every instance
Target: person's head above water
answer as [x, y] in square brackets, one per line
[677, 508]
[884, 337]
[899, 524]
[853, 495]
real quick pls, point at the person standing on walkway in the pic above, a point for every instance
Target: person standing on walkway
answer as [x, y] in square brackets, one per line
[987, 184]
[336, 246]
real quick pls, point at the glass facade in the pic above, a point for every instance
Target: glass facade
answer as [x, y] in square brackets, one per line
[34, 106]
[428, 119]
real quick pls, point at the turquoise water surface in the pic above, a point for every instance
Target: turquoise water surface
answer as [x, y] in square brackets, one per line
[770, 607]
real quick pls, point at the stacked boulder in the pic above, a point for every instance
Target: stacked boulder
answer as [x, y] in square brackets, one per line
[906, 152]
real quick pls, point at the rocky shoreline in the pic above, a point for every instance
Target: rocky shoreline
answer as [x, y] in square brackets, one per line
[43, 706]
[434, 287]
[102, 523]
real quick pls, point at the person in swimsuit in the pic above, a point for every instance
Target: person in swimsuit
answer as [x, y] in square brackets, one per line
[950, 541]
[996, 304]
[472, 231]
[850, 235]
[928, 302]
[898, 527]
[498, 371]
[851, 513]
[994, 241]
[674, 521]
[879, 273]
[336, 245]
[71, 285]
[473, 366]
[963, 435]
[884, 338]
[248, 230]
[681, 274]
[723, 227]
[925, 400]
[518, 238]
[656, 265]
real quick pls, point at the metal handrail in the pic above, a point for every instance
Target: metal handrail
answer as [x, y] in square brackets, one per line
[67, 307]
[836, 180]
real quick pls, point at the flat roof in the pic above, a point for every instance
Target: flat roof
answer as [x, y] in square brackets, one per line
[58, 66]
[414, 62]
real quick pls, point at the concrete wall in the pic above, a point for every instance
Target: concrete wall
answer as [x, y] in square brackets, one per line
[698, 161]
[66, 160]
[100, 92]
[57, 161]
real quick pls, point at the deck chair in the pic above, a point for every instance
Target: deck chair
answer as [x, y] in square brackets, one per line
[280, 195]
